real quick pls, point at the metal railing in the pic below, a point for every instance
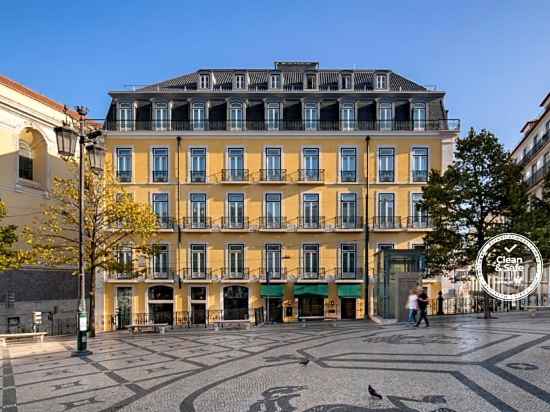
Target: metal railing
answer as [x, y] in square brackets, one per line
[197, 176]
[348, 175]
[272, 222]
[202, 222]
[348, 222]
[127, 272]
[386, 222]
[235, 274]
[161, 273]
[535, 149]
[285, 125]
[197, 273]
[386, 176]
[311, 222]
[311, 175]
[306, 273]
[419, 222]
[348, 273]
[233, 223]
[263, 274]
[235, 175]
[538, 175]
[160, 176]
[419, 175]
[166, 222]
[124, 176]
[273, 175]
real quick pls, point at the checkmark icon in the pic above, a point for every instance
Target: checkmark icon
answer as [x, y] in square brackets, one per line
[509, 250]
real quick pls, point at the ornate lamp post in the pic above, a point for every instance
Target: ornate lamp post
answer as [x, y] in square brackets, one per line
[66, 146]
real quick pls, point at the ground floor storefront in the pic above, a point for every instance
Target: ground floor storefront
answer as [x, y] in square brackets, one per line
[201, 304]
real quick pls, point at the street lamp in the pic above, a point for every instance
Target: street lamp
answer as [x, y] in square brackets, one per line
[66, 146]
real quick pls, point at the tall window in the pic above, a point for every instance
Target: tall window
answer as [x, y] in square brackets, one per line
[235, 210]
[386, 210]
[236, 116]
[273, 116]
[205, 81]
[311, 81]
[311, 164]
[275, 81]
[160, 261]
[348, 172]
[386, 164]
[125, 114]
[25, 161]
[311, 261]
[346, 82]
[235, 258]
[235, 158]
[310, 210]
[347, 116]
[273, 170]
[124, 261]
[419, 218]
[199, 116]
[160, 113]
[273, 261]
[198, 211]
[124, 164]
[381, 81]
[419, 116]
[160, 164]
[239, 81]
[273, 218]
[160, 207]
[420, 164]
[310, 116]
[385, 116]
[198, 165]
[198, 261]
[348, 259]
[348, 210]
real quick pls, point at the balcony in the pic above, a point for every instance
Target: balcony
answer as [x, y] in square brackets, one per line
[190, 274]
[420, 176]
[272, 175]
[166, 223]
[313, 223]
[235, 175]
[538, 176]
[386, 222]
[535, 149]
[197, 176]
[348, 126]
[422, 222]
[124, 176]
[386, 176]
[309, 273]
[344, 223]
[196, 223]
[348, 176]
[235, 274]
[126, 273]
[273, 275]
[232, 223]
[272, 223]
[160, 176]
[348, 273]
[311, 175]
[163, 274]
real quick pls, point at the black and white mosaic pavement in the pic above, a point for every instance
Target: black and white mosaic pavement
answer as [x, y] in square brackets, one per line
[459, 364]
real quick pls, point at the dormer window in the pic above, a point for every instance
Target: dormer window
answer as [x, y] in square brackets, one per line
[205, 81]
[239, 81]
[382, 81]
[346, 82]
[275, 81]
[311, 81]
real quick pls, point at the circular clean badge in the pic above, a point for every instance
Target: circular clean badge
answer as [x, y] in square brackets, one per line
[502, 267]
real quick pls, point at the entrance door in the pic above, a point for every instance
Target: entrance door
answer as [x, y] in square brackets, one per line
[198, 313]
[275, 309]
[123, 307]
[161, 313]
[235, 303]
[348, 308]
[311, 306]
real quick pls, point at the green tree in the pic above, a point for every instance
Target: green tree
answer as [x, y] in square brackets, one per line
[112, 219]
[10, 258]
[479, 196]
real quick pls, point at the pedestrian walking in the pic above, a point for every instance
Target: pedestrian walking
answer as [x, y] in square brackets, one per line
[423, 307]
[412, 306]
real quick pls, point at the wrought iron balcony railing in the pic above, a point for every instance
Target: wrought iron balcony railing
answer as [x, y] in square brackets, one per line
[161, 273]
[235, 222]
[386, 222]
[419, 175]
[348, 175]
[197, 176]
[348, 273]
[235, 175]
[235, 273]
[285, 125]
[386, 176]
[197, 273]
[166, 222]
[535, 149]
[310, 273]
[280, 274]
[124, 176]
[311, 222]
[197, 222]
[311, 175]
[272, 222]
[125, 272]
[160, 176]
[538, 175]
[273, 175]
[348, 222]
[419, 222]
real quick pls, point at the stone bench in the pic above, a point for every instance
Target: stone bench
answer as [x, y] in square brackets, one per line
[154, 327]
[238, 322]
[534, 309]
[13, 336]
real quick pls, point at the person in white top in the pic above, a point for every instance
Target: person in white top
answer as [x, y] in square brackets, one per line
[412, 306]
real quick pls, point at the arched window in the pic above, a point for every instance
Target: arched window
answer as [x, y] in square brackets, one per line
[25, 161]
[161, 293]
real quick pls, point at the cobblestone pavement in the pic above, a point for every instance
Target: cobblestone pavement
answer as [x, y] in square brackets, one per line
[460, 364]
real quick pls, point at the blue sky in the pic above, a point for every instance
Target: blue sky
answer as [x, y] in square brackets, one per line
[492, 58]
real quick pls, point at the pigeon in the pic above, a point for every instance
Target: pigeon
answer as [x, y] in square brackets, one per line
[373, 393]
[304, 362]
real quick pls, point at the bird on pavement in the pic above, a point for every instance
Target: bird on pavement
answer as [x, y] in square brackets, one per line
[373, 393]
[304, 362]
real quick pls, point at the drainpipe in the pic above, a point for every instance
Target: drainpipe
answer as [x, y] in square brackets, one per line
[178, 143]
[366, 252]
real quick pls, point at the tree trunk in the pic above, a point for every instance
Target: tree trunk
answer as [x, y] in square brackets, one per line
[486, 309]
[92, 304]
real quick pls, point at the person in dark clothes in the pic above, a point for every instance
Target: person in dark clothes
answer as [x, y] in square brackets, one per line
[423, 307]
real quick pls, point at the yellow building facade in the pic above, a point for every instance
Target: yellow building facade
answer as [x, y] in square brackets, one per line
[264, 213]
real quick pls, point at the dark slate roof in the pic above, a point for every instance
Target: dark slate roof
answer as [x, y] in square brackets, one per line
[292, 80]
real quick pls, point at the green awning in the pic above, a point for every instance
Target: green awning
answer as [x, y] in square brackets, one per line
[349, 291]
[272, 291]
[319, 290]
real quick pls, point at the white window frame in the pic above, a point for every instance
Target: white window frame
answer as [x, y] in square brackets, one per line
[205, 81]
[152, 163]
[234, 122]
[190, 163]
[382, 81]
[428, 166]
[341, 163]
[159, 107]
[197, 107]
[126, 124]
[133, 157]
[420, 124]
[378, 164]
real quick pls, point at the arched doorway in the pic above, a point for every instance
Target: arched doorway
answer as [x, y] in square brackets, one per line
[161, 304]
[235, 303]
